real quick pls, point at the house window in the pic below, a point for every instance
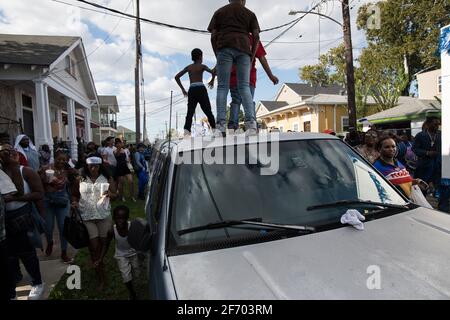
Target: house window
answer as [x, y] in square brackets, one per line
[345, 124]
[307, 126]
[296, 127]
[27, 102]
[439, 84]
[70, 66]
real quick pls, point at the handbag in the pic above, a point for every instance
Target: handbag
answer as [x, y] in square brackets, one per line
[75, 231]
[418, 198]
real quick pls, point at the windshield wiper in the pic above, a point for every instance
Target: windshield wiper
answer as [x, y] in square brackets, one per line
[253, 222]
[351, 202]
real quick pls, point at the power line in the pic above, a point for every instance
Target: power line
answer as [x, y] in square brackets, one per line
[102, 44]
[162, 24]
[293, 24]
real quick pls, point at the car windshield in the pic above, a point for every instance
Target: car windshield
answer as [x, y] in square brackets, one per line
[310, 173]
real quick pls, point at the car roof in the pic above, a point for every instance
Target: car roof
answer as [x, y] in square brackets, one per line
[199, 143]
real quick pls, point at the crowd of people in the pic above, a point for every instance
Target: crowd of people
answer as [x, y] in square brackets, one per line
[408, 161]
[38, 187]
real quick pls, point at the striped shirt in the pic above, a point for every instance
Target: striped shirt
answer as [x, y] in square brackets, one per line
[396, 174]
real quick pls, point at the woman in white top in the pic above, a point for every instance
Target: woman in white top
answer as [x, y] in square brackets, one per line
[94, 185]
[19, 221]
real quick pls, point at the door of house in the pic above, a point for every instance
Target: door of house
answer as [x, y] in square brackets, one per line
[28, 124]
[28, 118]
[307, 126]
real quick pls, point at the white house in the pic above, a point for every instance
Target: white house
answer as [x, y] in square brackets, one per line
[46, 89]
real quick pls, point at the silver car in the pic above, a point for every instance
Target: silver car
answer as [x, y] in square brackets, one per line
[228, 231]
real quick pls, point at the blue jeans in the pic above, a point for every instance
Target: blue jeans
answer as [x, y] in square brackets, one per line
[225, 60]
[54, 212]
[235, 106]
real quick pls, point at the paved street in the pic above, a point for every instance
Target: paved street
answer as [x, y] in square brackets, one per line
[52, 269]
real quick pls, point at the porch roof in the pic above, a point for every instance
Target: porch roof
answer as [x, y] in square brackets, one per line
[33, 50]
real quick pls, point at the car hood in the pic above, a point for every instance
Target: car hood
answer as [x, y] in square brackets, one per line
[410, 252]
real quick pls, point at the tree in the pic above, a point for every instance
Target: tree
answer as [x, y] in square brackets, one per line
[382, 75]
[329, 70]
[410, 29]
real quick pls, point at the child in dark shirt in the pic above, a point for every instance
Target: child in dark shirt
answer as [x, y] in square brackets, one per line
[197, 90]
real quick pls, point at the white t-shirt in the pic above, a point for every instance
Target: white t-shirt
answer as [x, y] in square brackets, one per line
[109, 153]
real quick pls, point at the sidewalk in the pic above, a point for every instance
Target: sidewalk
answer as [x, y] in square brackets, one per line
[52, 269]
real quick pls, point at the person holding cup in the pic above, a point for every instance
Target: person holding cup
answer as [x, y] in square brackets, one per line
[94, 184]
[58, 180]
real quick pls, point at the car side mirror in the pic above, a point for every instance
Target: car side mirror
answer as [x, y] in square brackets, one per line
[140, 235]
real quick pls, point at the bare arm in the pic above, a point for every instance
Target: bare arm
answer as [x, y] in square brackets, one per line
[178, 77]
[75, 192]
[112, 191]
[35, 183]
[266, 67]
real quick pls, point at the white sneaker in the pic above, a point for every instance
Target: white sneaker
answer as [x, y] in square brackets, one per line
[36, 292]
[231, 131]
[251, 132]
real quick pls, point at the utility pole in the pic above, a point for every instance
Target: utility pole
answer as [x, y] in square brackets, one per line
[350, 70]
[136, 75]
[166, 129]
[144, 124]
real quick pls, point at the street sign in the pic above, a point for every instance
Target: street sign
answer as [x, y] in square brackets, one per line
[444, 46]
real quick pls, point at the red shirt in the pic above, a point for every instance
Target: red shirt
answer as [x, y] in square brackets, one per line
[260, 52]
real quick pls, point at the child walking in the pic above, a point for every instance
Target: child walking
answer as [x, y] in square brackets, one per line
[126, 256]
[197, 90]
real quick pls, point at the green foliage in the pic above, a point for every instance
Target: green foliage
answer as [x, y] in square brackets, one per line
[406, 44]
[409, 28]
[329, 70]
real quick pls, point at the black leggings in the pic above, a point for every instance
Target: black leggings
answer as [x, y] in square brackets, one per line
[19, 247]
[4, 273]
[199, 95]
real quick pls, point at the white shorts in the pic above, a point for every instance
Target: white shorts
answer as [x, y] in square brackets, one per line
[128, 266]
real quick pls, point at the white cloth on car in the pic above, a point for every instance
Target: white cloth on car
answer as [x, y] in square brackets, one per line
[353, 218]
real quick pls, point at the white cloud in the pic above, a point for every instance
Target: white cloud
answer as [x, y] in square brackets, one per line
[166, 51]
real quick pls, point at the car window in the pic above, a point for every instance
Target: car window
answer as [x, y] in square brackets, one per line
[311, 172]
[156, 187]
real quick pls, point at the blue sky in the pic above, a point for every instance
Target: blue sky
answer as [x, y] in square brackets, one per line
[110, 42]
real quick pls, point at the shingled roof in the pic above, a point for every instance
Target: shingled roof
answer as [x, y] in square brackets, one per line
[33, 50]
[303, 89]
[273, 105]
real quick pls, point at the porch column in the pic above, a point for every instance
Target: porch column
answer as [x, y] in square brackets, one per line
[43, 129]
[72, 128]
[87, 125]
